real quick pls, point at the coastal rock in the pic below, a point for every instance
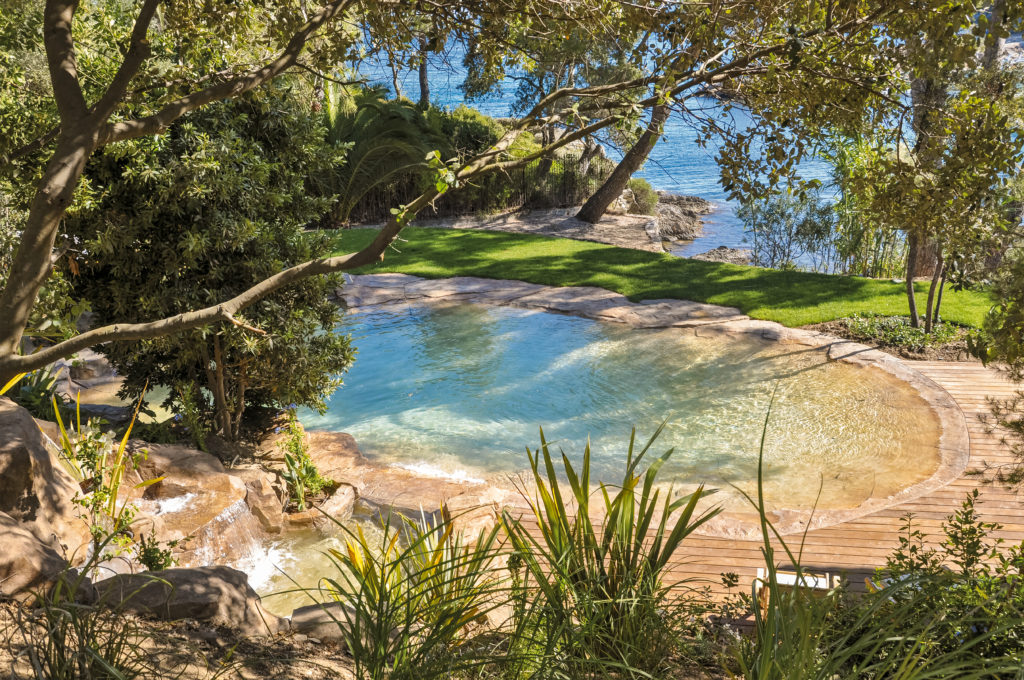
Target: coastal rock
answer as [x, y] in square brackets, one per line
[679, 216]
[27, 565]
[337, 508]
[726, 255]
[35, 490]
[622, 204]
[217, 595]
[679, 223]
[694, 204]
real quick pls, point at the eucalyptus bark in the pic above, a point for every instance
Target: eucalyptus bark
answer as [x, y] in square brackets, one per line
[424, 76]
[913, 246]
[596, 206]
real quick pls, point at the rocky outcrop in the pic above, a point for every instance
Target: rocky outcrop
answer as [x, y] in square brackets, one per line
[679, 217]
[27, 565]
[726, 255]
[198, 504]
[262, 497]
[216, 595]
[35, 490]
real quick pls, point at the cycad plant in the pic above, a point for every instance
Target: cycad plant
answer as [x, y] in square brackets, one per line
[386, 140]
[600, 604]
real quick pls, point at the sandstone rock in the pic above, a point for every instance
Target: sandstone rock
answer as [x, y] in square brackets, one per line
[27, 565]
[726, 255]
[338, 507]
[218, 595]
[326, 621]
[199, 503]
[262, 499]
[622, 204]
[35, 490]
[335, 454]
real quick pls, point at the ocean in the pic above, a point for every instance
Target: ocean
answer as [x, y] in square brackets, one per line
[677, 164]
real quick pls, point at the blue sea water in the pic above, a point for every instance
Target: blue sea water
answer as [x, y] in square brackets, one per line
[676, 164]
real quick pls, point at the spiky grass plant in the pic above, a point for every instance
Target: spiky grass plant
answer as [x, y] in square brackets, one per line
[409, 601]
[600, 604]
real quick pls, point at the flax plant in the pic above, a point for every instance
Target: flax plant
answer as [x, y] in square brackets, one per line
[601, 604]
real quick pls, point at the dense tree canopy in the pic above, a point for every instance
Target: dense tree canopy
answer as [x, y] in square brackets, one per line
[82, 76]
[198, 215]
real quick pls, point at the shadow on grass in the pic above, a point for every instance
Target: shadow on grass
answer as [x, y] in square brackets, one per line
[790, 297]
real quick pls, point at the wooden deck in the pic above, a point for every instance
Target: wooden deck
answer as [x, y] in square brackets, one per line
[856, 547]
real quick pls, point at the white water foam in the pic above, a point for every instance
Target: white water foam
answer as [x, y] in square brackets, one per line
[433, 471]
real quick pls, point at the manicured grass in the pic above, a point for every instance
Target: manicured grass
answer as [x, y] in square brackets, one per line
[791, 298]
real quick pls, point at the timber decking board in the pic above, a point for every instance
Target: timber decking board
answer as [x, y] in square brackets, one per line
[858, 546]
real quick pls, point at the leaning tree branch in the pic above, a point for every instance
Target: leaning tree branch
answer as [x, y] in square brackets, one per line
[137, 53]
[227, 312]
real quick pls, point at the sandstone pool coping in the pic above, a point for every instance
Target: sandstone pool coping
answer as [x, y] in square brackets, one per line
[703, 320]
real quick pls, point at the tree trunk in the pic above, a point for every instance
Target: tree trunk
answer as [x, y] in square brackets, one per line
[222, 410]
[597, 205]
[993, 44]
[938, 300]
[912, 248]
[424, 80]
[929, 317]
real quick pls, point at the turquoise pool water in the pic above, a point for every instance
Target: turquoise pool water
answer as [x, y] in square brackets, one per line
[461, 390]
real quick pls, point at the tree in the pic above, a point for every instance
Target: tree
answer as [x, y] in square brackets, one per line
[112, 77]
[932, 112]
[198, 215]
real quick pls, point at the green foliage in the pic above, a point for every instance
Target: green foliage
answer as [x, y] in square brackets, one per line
[384, 142]
[154, 555]
[300, 474]
[469, 132]
[787, 228]
[601, 602]
[196, 216]
[896, 331]
[409, 600]
[99, 465]
[645, 198]
[36, 392]
[791, 298]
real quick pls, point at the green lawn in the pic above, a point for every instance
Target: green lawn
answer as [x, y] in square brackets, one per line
[791, 298]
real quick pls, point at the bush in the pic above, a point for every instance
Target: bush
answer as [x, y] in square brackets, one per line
[896, 331]
[645, 198]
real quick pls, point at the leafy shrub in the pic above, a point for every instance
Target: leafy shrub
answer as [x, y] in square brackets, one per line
[36, 393]
[787, 229]
[301, 474]
[645, 198]
[896, 331]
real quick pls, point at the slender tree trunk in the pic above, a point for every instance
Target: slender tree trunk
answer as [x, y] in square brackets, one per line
[912, 248]
[942, 287]
[929, 317]
[220, 396]
[597, 205]
[993, 44]
[424, 79]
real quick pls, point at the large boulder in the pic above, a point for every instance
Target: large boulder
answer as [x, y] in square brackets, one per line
[216, 595]
[35, 489]
[27, 565]
[198, 503]
[679, 216]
